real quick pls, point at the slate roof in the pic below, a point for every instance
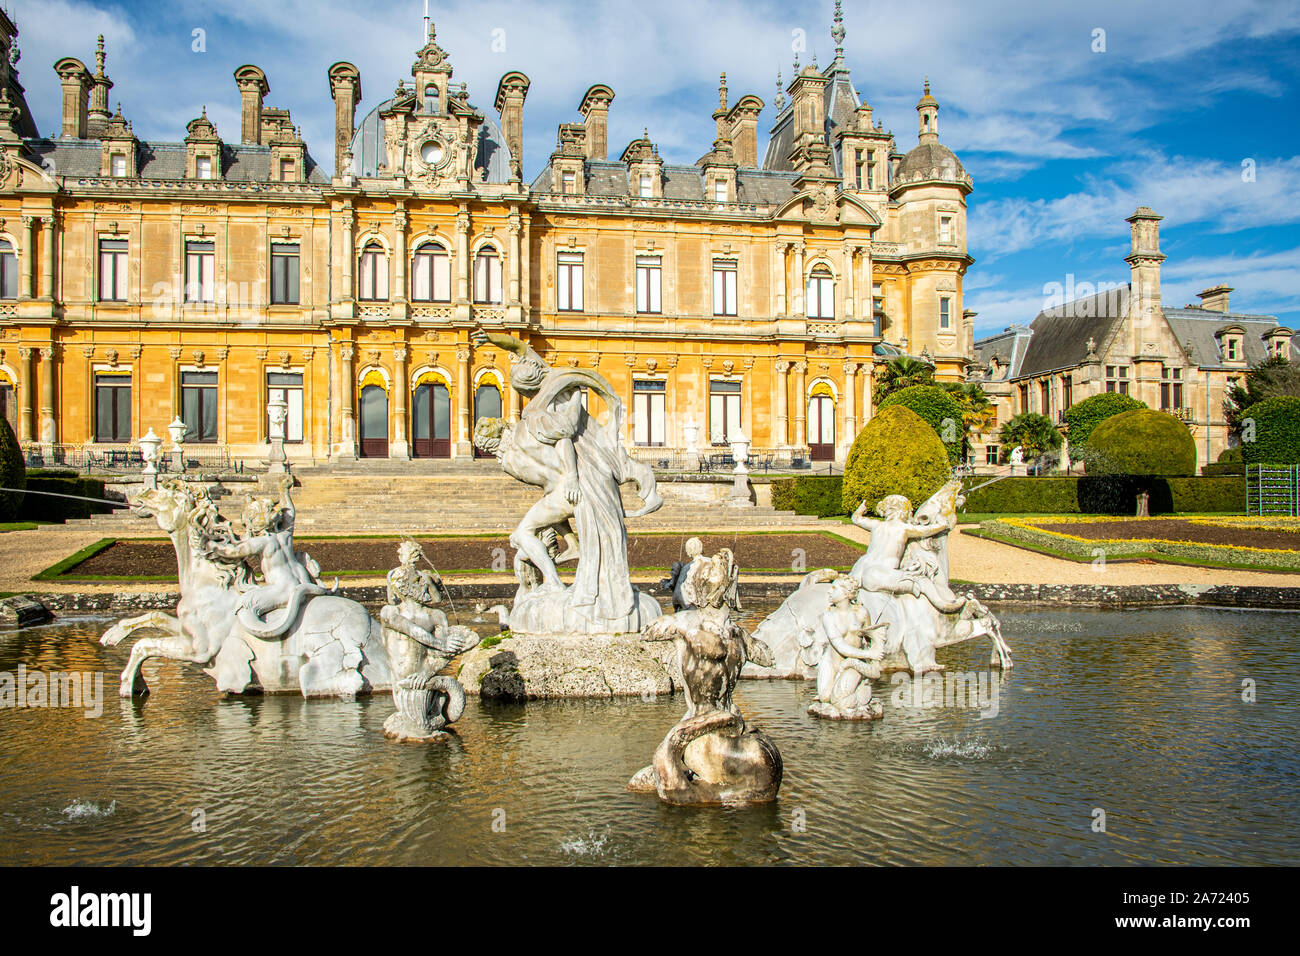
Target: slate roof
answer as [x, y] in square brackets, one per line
[932, 160]
[610, 179]
[1196, 327]
[369, 150]
[1009, 346]
[1060, 334]
[841, 100]
[80, 158]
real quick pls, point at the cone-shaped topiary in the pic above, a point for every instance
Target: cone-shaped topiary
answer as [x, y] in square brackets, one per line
[13, 472]
[938, 408]
[1270, 431]
[1142, 442]
[897, 453]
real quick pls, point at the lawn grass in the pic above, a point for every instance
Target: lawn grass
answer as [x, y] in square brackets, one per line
[18, 526]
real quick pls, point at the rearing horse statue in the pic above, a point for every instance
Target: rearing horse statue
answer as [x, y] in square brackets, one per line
[331, 648]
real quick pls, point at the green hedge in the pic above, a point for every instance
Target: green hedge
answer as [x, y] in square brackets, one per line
[1224, 468]
[1271, 431]
[1107, 494]
[47, 508]
[818, 495]
[13, 473]
[1141, 441]
[1082, 417]
[939, 409]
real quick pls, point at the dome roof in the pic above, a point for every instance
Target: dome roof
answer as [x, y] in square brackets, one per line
[369, 150]
[932, 161]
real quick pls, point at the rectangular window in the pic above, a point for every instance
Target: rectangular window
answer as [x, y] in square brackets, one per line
[990, 454]
[871, 169]
[8, 270]
[1067, 392]
[117, 165]
[878, 307]
[720, 191]
[820, 298]
[568, 282]
[1024, 398]
[372, 280]
[945, 312]
[200, 265]
[859, 168]
[203, 167]
[1117, 379]
[649, 412]
[1171, 389]
[431, 274]
[112, 270]
[199, 406]
[648, 284]
[724, 411]
[568, 184]
[647, 190]
[286, 170]
[112, 406]
[1230, 349]
[487, 278]
[1045, 397]
[945, 228]
[286, 386]
[284, 273]
[724, 286]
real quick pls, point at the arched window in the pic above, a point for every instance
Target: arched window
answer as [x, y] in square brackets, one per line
[487, 404]
[374, 422]
[431, 274]
[487, 277]
[821, 294]
[821, 424]
[431, 98]
[372, 273]
[8, 270]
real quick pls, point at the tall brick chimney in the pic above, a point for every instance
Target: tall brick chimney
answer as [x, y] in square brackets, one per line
[595, 116]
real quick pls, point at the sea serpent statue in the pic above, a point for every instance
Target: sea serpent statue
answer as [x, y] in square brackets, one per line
[286, 634]
[710, 757]
[580, 464]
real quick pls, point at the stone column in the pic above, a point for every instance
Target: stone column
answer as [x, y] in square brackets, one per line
[514, 230]
[464, 446]
[800, 406]
[850, 407]
[462, 256]
[349, 253]
[27, 274]
[27, 417]
[781, 434]
[781, 249]
[796, 294]
[850, 253]
[49, 429]
[868, 382]
[401, 447]
[400, 220]
[47, 260]
[347, 416]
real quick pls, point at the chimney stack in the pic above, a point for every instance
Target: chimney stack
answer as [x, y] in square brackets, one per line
[742, 120]
[76, 88]
[595, 116]
[511, 93]
[252, 90]
[1144, 265]
[1215, 298]
[345, 88]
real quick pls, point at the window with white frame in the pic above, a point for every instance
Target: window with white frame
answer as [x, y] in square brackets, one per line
[113, 406]
[287, 387]
[724, 286]
[720, 190]
[112, 270]
[647, 187]
[819, 302]
[568, 282]
[372, 273]
[487, 277]
[945, 312]
[945, 228]
[200, 270]
[8, 270]
[117, 165]
[431, 274]
[649, 279]
[568, 183]
[649, 412]
[284, 273]
[203, 167]
[724, 411]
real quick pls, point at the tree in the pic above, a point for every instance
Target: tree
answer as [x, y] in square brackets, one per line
[978, 414]
[13, 472]
[1080, 419]
[899, 373]
[1034, 433]
[1274, 377]
[1270, 431]
[897, 453]
[1144, 442]
[938, 409]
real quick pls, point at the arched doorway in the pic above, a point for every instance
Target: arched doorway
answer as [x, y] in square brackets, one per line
[487, 404]
[374, 422]
[821, 423]
[431, 417]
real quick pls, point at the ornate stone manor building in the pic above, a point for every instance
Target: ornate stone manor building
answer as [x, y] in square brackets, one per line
[145, 281]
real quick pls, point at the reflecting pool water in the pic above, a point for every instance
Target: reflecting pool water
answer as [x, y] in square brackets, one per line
[1139, 714]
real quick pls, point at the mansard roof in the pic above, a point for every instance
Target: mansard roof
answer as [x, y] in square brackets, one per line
[1008, 346]
[1196, 328]
[684, 183]
[369, 150]
[81, 159]
[841, 100]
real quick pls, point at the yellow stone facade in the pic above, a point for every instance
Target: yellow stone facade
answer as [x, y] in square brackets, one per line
[744, 291]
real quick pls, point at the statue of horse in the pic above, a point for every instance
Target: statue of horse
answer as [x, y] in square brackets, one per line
[332, 648]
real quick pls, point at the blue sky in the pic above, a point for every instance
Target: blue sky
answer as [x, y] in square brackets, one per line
[1063, 137]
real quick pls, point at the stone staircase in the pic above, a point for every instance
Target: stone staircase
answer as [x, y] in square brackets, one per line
[475, 499]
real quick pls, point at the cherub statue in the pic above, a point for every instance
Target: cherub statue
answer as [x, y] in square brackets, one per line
[882, 564]
[676, 579]
[851, 656]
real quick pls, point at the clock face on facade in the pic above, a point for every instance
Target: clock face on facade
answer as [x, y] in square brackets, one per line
[432, 153]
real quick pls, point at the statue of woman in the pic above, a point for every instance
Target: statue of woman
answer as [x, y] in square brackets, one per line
[850, 658]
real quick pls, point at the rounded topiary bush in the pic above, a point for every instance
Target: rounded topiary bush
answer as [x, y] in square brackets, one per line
[1270, 431]
[1081, 419]
[897, 453]
[936, 407]
[1142, 442]
[13, 473]
[1230, 455]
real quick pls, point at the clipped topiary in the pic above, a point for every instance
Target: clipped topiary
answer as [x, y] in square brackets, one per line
[1081, 419]
[13, 473]
[1230, 455]
[936, 407]
[897, 453]
[1270, 431]
[1142, 442]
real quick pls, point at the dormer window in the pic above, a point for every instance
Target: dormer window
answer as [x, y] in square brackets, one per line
[431, 98]
[569, 183]
[720, 191]
[117, 165]
[1231, 349]
[286, 170]
[647, 186]
[203, 167]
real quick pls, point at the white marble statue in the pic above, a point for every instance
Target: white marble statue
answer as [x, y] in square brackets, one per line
[903, 584]
[851, 657]
[322, 645]
[711, 756]
[675, 583]
[580, 464]
[420, 643]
